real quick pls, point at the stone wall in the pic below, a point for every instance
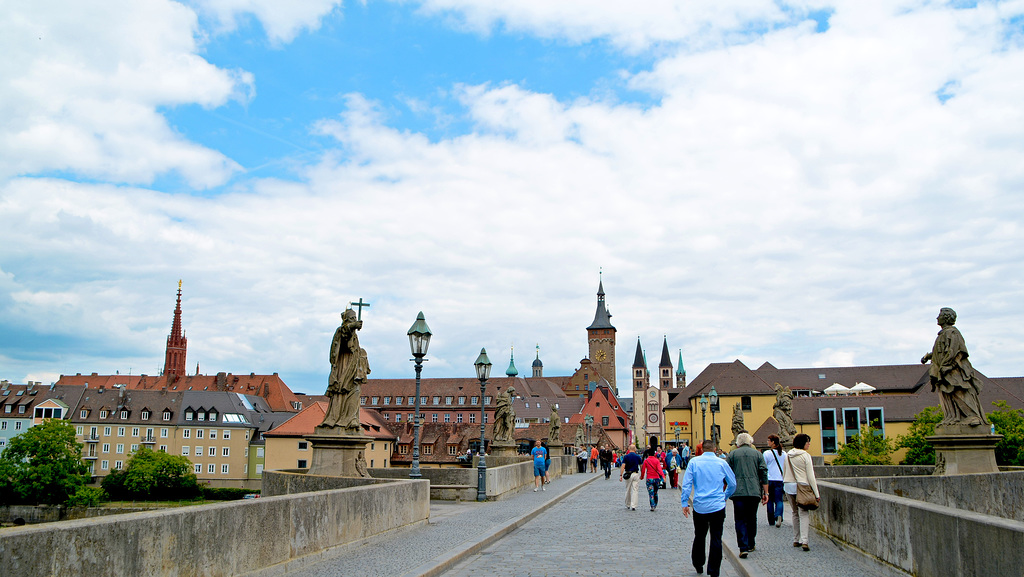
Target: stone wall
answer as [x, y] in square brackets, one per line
[213, 540]
[925, 539]
[997, 494]
[502, 479]
[838, 471]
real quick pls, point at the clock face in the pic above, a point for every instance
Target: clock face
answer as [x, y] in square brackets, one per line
[653, 417]
[601, 355]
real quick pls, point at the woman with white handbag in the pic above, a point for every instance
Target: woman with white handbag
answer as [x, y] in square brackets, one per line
[802, 488]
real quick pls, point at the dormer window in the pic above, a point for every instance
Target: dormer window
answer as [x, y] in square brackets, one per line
[103, 414]
[167, 415]
[145, 415]
[200, 416]
[213, 416]
[84, 413]
[124, 414]
[188, 415]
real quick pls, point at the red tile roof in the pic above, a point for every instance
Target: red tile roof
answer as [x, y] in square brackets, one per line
[277, 394]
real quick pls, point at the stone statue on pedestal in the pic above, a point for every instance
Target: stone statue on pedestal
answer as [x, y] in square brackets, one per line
[349, 367]
[556, 427]
[953, 376]
[581, 436]
[784, 415]
[737, 420]
[504, 416]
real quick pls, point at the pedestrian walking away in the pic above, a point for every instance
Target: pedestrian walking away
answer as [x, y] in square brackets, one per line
[651, 472]
[800, 471]
[712, 482]
[605, 455]
[540, 455]
[751, 473]
[593, 458]
[630, 472]
[775, 459]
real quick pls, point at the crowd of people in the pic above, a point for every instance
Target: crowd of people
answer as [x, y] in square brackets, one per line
[711, 477]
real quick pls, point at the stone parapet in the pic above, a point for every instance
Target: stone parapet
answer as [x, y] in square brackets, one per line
[224, 539]
[996, 494]
[924, 539]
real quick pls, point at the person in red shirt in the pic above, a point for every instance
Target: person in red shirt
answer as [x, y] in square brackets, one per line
[652, 471]
[593, 459]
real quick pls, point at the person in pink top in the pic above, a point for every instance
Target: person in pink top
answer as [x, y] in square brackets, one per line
[652, 471]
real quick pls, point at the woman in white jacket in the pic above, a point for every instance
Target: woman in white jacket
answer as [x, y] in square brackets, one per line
[799, 469]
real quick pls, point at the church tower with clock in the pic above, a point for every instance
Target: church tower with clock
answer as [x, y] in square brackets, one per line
[601, 340]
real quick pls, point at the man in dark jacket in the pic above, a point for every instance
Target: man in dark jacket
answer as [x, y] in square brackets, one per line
[605, 454]
[751, 488]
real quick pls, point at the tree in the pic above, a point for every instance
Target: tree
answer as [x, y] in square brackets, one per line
[1010, 424]
[919, 450]
[153, 475]
[43, 465]
[867, 448]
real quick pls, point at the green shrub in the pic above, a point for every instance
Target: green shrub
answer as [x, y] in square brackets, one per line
[225, 493]
[866, 448]
[87, 497]
[153, 476]
[919, 450]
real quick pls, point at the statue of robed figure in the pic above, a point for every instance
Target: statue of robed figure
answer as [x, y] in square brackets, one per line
[504, 416]
[952, 375]
[349, 367]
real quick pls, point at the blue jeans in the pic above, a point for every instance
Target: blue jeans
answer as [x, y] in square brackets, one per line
[744, 512]
[702, 523]
[776, 501]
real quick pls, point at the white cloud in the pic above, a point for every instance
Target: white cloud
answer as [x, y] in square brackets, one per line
[282, 20]
[803, 198]
[83, 85]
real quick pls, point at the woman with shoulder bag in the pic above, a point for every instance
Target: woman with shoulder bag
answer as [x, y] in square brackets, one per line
[802, 488]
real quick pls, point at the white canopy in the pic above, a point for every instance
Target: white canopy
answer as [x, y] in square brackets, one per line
[862, 388]
[837, 389]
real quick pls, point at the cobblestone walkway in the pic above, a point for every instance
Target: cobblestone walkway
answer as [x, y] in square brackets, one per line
[775, 555]
[454, 529]
[578, 526]
[592, 533]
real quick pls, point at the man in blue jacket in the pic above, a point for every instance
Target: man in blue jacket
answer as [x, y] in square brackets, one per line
[706, 476]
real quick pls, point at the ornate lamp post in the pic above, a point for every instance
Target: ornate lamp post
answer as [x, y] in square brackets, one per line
[703, 417]
[419, 339]
[714, 409]
[483, 370]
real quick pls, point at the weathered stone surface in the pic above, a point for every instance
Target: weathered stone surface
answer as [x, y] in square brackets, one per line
[996, 494]
[925, 539]
[223, 539]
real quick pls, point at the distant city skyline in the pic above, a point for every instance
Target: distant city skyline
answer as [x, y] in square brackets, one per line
[798, 182]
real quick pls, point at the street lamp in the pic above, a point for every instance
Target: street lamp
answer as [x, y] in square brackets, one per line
[419, 339]
[483, 370]
[714, 409]
[703, 417]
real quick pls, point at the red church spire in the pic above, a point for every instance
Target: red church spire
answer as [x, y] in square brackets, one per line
[174, 358]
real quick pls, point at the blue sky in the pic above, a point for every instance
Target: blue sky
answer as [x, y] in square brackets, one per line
[405, 62]
[801, 182]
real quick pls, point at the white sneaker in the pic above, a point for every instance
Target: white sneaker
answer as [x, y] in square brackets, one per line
[535, 489]
[542, 488]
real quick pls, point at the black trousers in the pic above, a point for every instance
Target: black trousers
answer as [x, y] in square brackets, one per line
[702, 524]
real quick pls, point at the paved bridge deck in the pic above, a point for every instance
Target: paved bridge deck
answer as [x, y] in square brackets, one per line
[578, 526]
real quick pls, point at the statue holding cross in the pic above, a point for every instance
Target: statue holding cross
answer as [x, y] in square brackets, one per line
[349, 367]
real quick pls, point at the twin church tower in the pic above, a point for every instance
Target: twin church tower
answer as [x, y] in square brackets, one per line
[649, 399]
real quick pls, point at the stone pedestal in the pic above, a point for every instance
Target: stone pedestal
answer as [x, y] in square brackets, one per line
[504, 448]
[556, 449]
[338, 455]
[963, 449]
